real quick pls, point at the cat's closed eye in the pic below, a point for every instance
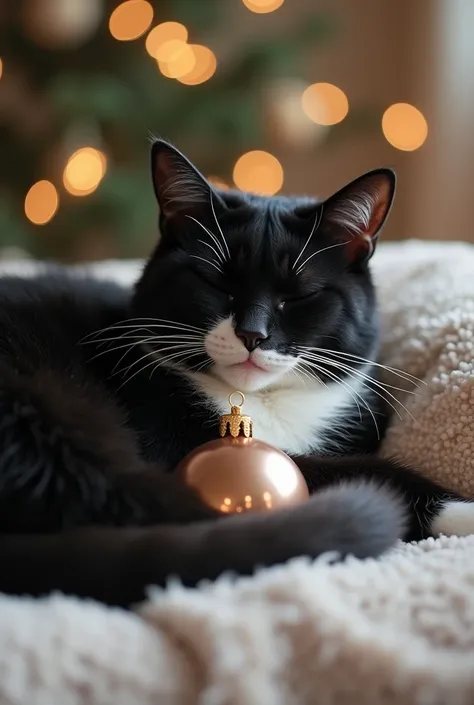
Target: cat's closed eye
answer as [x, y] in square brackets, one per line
[295, 300]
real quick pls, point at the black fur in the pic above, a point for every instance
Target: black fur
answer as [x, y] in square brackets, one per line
[88, 500]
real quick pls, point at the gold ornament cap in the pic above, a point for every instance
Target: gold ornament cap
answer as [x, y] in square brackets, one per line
[235, 424]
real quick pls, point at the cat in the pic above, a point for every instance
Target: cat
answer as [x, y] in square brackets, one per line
[104, 389]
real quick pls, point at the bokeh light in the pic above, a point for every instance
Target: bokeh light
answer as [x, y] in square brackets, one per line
[258, 172]
[1, 68]
[164, 32]
[41, 202]
[130, 20]
[218, 182]
[404, 126]
[175, 58]
[325, 104]
[262, 6]
[205, 64]
[84, 171]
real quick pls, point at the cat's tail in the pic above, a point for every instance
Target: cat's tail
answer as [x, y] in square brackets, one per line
[116, 565]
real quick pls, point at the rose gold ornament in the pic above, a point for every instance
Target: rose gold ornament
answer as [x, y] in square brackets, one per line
[238, 473]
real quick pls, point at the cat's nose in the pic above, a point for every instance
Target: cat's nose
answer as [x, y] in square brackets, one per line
[251, 338]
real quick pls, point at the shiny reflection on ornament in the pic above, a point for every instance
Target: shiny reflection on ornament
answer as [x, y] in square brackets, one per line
[130, 20]
[277, 472]
[41, 202]
[180, 58]
[258, 172]
[404, 127]
[204, 68]
[164, 32]
[325, 104]
[262, 6]
[84, 171]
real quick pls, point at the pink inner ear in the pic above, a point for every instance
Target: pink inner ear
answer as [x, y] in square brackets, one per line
[359, 246]
[378, 215]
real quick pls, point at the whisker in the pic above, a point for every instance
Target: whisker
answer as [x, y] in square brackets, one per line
[395, 371]
[140, 340]
[316, 224]
[219, 257]
[207, 261]
[350, 390]
[130, 336]
[155, 323]
[169, 360]
[219, 227]
[211, 235]
[310, 364]
[161, 361]
[164, 360]
[378, 383]
[323, 249]
[352, 372]
[176, 346]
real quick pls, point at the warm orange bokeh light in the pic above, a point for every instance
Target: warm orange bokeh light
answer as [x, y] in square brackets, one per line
[325, 104]
[41, 202]
[84, 171]
[218, 182]
[205, 65]
[1, 68]
[164, 32]
[404, 126]
[178, 58]
[130, 20]
[258, 172]
[261, 6]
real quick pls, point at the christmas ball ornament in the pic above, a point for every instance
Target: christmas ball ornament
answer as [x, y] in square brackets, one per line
[62, 24]
[238, 473]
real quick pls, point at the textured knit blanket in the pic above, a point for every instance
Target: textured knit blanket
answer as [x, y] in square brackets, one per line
[396, 630]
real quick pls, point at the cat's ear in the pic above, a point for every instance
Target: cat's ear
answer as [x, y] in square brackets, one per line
[179, 187]
[359, 210]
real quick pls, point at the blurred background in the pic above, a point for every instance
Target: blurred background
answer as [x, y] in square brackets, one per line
[267, 95]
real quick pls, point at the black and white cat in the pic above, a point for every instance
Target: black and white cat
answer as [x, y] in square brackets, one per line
[103, 391]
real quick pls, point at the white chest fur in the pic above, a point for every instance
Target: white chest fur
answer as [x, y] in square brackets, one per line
[295, 419]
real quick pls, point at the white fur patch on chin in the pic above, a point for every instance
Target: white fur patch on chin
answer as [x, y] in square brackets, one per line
[456, 518]
[223, 346]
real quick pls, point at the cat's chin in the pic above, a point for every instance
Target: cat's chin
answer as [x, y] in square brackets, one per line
[245, 377]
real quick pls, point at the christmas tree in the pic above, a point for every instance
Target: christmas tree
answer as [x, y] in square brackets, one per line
[83, 84]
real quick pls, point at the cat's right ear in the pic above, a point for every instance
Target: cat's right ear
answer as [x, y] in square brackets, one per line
[180, 188]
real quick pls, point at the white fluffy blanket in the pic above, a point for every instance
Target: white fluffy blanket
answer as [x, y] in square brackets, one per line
[397, 630]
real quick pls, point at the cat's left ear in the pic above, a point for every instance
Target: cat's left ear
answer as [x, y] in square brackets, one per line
[359, 210]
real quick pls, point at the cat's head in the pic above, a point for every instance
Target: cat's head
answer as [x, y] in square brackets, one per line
[253, 289]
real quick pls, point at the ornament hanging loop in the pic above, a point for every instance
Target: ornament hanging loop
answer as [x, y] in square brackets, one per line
[235, 424]
[242, 399]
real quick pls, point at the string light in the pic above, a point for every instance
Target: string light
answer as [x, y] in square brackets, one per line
[404, 127]
[41, 202]
[164, 32]
[325, 104]
[130, 20]
[205, 65]
[179, 58]
[262, 6]
[258, 172]
[84, 171]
